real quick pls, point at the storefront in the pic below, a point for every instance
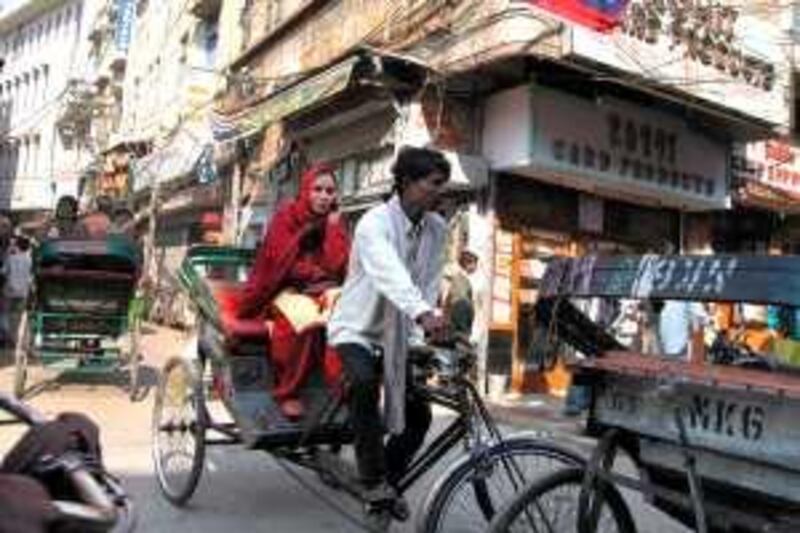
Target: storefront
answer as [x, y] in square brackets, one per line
[766, 191]
[575, 176]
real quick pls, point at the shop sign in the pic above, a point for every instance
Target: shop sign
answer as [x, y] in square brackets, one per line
[125, 12]
[773, 163]
[607, 147]
[722, 54]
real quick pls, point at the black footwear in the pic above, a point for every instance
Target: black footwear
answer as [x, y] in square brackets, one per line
[386, 498]
[377, 520]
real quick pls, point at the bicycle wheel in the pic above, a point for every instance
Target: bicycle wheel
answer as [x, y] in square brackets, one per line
[180, 420]
[550, 505]
[475, 487]
[134, 358]
[21, 354]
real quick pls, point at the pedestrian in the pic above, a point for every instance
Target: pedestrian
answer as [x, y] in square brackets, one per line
[65, 219]
[675, 324]
[458, 298]
[17, 271]
[123, 222]
[97, 223]
[387, 303]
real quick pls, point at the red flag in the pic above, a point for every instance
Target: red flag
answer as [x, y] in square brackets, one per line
[600, 15]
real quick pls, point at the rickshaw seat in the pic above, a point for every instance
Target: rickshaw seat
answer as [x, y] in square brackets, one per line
[228, 295]
[59, 272]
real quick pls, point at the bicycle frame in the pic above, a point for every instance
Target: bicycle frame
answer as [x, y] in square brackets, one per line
[466, 401]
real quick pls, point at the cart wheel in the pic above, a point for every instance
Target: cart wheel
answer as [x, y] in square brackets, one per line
[134, 358]
[551, 504]
[179, 428]
[21, 350]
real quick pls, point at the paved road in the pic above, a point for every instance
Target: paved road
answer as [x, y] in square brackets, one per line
[240, 491]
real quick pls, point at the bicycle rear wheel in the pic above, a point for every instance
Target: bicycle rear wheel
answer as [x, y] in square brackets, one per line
[473, 489]
[551, 505]
[180, 420]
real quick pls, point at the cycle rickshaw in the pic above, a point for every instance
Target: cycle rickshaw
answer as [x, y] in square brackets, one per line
[82, 316]
[232, 353]
[714, 437]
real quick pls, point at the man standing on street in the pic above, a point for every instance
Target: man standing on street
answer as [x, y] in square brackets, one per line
[17, 273]
[387, 302]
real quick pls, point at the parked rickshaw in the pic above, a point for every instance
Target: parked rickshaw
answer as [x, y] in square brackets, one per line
[232, 353]
[82, 316]
[715, 437]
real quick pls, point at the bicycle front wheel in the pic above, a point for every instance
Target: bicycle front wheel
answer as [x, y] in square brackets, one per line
[551, 505]
[473, 489]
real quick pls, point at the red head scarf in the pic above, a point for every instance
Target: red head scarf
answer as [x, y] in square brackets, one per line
[281, 255]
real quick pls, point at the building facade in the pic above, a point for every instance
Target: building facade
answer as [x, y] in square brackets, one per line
[607, 129]
[45, 141]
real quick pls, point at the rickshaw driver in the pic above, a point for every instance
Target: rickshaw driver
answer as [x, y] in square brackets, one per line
[387, 302]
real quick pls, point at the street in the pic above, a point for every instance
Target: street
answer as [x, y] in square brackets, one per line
[240, 490]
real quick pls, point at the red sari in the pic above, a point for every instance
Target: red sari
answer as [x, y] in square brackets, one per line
[307, 253]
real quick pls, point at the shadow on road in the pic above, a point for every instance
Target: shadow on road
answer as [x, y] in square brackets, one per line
[148, 379]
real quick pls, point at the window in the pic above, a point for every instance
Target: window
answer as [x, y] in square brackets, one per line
[36, 88]
[36, 156]
[45, 82]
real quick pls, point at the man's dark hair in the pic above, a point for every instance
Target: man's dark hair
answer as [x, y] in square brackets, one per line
[67, 207]
[105, 205]
[23, 244]
[413, 164]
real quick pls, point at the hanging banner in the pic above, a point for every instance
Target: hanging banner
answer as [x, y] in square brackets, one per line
[125, 13]
[598, 15]
[767, 174]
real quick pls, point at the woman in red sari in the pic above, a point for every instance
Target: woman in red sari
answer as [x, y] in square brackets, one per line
[302, 258]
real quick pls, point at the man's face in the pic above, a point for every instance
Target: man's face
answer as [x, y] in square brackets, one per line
[469, 263]
[426, 192]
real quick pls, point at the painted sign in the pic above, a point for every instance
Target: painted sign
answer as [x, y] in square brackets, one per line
[125, 13]
[599, 15]
[773, 163]
[721, 54]
[745, 424]
[606, 147]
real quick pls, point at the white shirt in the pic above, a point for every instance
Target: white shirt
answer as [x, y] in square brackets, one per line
[17, 269]
[378, 276]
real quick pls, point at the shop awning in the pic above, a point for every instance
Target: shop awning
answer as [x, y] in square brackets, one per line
[289, 100]
[751, 193]
[176, 159]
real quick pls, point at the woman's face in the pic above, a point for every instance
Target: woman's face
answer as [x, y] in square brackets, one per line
[323, 194]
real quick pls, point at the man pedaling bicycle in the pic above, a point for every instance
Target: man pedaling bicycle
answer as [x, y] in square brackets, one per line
[387, 303]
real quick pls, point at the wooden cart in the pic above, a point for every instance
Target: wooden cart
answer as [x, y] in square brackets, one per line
[715, 446]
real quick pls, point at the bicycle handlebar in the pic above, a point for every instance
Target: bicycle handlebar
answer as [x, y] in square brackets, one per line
[24, 412]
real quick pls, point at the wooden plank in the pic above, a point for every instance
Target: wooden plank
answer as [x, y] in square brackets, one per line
[737, 278]
[749, 424]
[724, 377]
